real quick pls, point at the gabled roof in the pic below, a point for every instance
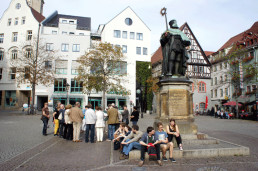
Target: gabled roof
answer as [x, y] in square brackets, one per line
[208, 53]
[39, 17]
[157, 56]
[240, 37]
[121, 13]
[83, 23]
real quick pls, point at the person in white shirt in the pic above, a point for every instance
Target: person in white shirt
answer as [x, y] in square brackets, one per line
[90, 120]
[100, 123]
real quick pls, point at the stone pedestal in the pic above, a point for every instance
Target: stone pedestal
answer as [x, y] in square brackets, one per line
[176, 101]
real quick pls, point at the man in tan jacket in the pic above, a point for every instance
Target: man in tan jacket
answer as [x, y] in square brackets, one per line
[112, 122]
[76, 117]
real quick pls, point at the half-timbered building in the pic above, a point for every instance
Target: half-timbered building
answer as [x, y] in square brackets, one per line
[198, 70]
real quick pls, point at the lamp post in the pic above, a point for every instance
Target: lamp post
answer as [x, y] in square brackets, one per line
[139, 92]
[67, 90]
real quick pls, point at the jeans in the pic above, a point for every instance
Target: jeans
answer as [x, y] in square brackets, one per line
[134, 122]
[45, 122]
[91, 128]
[128, 147]
[144, 149]
[111, 131]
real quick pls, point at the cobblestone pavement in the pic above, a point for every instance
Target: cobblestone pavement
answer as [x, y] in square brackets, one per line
[53, 153]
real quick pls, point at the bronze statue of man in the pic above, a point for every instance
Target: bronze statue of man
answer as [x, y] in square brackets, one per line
[175, 56]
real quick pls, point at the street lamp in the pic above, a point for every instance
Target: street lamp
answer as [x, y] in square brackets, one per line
[67, 90]
[139, 92]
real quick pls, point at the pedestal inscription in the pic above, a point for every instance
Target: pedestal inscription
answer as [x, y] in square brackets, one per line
[178, 102]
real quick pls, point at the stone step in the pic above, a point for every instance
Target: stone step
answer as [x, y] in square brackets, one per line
[206, 149]
[200, 142]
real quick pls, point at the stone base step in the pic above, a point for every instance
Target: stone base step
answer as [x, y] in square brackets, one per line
[202, 150]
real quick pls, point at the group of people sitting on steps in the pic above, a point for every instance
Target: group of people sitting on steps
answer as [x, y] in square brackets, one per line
[127, 139]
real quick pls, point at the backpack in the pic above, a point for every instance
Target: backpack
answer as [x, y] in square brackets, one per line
[152, 152]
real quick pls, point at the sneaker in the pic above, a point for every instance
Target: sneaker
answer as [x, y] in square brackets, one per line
[172, 160]
[181, 148]
[164, 159]
[122, 157]
[159, 162]
[140, 164]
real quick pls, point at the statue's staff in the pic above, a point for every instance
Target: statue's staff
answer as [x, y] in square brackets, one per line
[164, 12]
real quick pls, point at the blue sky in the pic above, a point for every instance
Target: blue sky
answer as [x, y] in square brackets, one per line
[212, 21]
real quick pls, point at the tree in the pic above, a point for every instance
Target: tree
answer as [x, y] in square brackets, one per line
[103, 69]
[33, 66]
[238, 59]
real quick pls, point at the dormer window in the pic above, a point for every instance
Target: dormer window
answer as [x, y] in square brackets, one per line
[71, 22]
[71, 33]
[64, 21]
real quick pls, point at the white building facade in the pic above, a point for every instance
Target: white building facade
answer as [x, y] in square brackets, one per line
[129, 32]
[18, 26]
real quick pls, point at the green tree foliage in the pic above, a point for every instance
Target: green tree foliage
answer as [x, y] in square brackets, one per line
[103, 69]
[144, 80]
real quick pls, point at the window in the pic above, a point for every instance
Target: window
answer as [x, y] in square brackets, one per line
[60, 85]
[28, 53]
[71, 33]
[138, 50]
[49, 46]
[117, 33]
[248, 89]
[61, 66]
[65, 47]
[48, 65]
[18, 6]
[254, 87]
[216, 92]
[9, 22]
[76, 48]
[75, 67]
[71, 22]
[202, 87]
[221, 79]
[54, 32]
[1, 54]
[226, 78]
[128, 21]
[23, 20]
[225, 65]
[211, 93]
[1, 73]
[195, 68]
[64, 21]
[145, 51]
[132, 34]
[220, 66]
[16, 21]
[14, 54]
[226, 91]
[81, 34]
[221, 92]
[29, 34]
[15, 36]
[139, 36]
[76, 86]
[12, 73]
[201, 69]
[212, 82]
[216, 81]
[202, 106]
[121, 68]
[1, 38]
[64, 32]
[27, 72]
[215, 68]
[124, 49]
[124, 34]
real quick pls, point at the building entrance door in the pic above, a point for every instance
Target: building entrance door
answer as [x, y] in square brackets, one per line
[95, 102]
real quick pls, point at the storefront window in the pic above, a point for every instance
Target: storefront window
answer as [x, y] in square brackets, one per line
[10, 98]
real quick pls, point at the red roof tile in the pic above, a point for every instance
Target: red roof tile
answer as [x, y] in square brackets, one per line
[37, 15]
[208, 53]
[157, 56]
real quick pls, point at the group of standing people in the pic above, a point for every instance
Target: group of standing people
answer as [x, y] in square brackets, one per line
[68, 121]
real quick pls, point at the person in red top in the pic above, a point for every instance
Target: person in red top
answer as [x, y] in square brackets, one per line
[45, 118]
